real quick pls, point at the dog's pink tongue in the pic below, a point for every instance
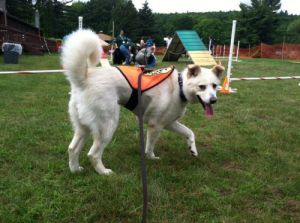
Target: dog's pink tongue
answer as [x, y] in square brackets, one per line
[209, 112]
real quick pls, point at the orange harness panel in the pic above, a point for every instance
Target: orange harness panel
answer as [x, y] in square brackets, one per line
[149, 80]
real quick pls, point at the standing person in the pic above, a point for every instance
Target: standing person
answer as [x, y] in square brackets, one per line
[211, 45]
[123, 43]
[142, 43]
[168, 40]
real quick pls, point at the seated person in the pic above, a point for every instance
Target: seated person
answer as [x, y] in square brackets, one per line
[123, 44]
[150, 44]
[146, 57]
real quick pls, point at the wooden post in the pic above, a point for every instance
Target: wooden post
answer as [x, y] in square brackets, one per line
[282, 50]
[237, 52]
[3, 8]
[249, 50]
[113, 29]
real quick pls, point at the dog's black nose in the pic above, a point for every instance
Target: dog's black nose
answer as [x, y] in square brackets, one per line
[213, 100]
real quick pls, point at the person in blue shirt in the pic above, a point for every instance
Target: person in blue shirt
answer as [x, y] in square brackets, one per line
[150, 45]
[123, 43]
[149, 42]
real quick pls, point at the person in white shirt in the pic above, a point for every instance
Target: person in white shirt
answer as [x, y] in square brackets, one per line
[168, 40]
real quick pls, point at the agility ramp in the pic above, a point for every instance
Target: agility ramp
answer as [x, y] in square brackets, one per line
[188, 41]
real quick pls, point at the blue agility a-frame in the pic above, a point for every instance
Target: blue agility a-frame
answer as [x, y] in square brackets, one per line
[188, 41]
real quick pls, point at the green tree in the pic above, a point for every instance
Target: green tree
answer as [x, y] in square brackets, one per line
[293, 32]
[146, 20]
[210, 27]
[125, 17]
[163, 27]
[21, 9]
[258, 21]
[97, 15]
[51, 17]
[184, 22]
[71, 13]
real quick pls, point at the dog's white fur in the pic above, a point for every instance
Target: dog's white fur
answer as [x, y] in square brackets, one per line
[98, 92]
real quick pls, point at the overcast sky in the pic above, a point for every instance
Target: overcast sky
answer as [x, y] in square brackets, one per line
[171, 6]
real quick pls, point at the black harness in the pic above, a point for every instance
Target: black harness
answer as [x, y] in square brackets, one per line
[180, 83]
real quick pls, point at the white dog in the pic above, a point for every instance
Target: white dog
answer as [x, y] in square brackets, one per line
[98, 92]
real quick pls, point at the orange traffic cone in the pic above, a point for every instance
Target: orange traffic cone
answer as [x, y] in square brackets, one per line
[225, 87]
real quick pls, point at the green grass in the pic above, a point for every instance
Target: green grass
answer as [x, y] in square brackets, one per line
[247, 170]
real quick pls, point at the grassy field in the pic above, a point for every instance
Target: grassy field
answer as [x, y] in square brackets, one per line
[247, 170]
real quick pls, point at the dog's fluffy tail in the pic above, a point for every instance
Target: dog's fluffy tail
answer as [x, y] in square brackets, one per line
[81, 50]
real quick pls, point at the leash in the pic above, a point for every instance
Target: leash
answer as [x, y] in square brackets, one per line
[142, 149]
[142, 140]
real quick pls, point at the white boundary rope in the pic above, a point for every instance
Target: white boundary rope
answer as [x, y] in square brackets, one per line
[31, 72]
[231, 79]
[263, 78]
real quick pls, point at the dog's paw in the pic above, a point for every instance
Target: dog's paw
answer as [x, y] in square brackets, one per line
[152, 156]
[193, 151]
[76, 169]
[105, 172]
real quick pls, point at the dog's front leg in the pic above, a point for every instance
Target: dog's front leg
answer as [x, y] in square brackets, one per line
[185, 131]
[152, 137]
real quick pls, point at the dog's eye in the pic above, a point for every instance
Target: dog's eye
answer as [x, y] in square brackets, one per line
[214, 86]
[202, 87]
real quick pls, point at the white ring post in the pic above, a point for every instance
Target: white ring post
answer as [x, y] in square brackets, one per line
[225, 89]
[231, 50]
[80, 18]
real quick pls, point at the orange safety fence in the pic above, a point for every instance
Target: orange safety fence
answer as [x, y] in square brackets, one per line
[276, 51]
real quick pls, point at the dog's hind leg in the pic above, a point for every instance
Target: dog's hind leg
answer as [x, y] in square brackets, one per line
[102, 135]
[75, 149]
[185, 131]
[152, 137]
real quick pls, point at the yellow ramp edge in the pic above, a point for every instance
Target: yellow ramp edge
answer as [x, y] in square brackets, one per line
[202, 58]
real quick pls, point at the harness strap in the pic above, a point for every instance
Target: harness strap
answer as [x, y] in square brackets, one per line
[180, 83]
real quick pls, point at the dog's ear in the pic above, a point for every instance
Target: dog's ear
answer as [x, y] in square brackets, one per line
[218, 70]
[193, 70]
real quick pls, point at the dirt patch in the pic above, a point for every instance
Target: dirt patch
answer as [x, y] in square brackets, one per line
[291, 210]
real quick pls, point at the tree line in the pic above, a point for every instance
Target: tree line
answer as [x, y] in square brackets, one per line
[260, 21]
